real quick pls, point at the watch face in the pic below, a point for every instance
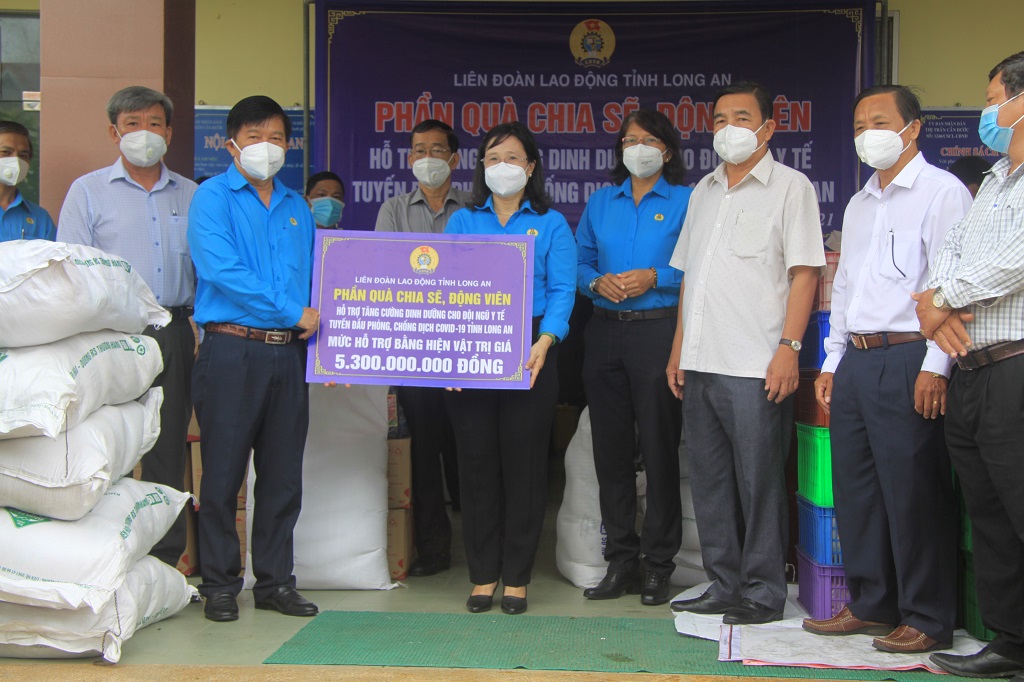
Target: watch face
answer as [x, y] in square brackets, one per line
[796, 345]
[938, 300]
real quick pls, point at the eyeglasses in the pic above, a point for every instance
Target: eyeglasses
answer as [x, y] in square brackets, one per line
[512, 159]
[650, 141]
[435, 152]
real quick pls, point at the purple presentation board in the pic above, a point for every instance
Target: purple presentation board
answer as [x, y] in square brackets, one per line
[422, 310]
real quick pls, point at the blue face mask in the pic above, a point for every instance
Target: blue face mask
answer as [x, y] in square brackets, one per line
[993, 135]
[327, 211]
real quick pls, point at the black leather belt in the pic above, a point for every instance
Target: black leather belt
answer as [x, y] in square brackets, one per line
[275, 337]
[635, 315]
[179, 311]
[990, 355]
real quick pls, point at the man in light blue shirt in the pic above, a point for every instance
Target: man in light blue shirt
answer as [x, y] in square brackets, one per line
[252, 242]
[138, 209]
[21, 219]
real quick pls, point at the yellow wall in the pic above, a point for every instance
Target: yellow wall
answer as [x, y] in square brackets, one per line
[948, 46]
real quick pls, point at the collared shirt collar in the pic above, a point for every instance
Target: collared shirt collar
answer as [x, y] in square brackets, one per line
[761, 172]
[17, 200]
[119, 172]
[905, 178]
[489, 206]
[237, 181]
[418, 195]
[661, 187]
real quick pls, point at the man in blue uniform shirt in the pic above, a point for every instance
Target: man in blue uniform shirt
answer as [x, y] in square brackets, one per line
[21, 219]
[252, 244]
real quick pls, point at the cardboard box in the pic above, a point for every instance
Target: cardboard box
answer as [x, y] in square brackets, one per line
[399, 473]
[242, 537]
[189, 561]
[399, 542]
[193, 426]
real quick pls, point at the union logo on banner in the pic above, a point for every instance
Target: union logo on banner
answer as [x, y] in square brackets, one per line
[592, 43]
[423, 260]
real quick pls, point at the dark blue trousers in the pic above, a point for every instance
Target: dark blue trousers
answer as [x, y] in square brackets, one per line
[893, 493]
[253, 396]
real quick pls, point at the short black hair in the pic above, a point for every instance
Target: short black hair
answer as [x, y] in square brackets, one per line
[255, 110]
[539, 200]
[434, 124]
[323, 175]
[760, 93]
[1012, 69]
[18, 129]
[970, 170]
[907, 102]
[657, 124]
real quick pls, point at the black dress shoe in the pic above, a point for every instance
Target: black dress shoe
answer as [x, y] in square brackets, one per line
[479, 603]
[749, 612]
[221, 607]
[615, 584]
[513, 606]
[705, 603]
[654, 591]
[431, 565]
[985, 663]
[288, 601]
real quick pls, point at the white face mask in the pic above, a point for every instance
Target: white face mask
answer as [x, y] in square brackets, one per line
[431, 172]
[13, 170]
[261, 160]
[735, 144]
[880, 149]
[143, 148]
[643, 161]
[505, 179]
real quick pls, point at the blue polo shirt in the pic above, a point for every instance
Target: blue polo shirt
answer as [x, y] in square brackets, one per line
[615, 235]
[554, 256]
[26, 220]
[255, 264]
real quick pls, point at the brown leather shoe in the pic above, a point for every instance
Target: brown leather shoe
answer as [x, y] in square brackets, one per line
[845, 623]
[908, 640]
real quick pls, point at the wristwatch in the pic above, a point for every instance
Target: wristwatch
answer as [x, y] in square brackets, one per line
[795, 345]
[939, 299]
[593, 283]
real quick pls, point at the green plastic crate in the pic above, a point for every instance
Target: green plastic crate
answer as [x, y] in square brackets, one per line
[970, 614]
[814, 464]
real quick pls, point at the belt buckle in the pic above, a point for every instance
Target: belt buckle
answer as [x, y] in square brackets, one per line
[968, 362]
[859, 342]
[277, 338]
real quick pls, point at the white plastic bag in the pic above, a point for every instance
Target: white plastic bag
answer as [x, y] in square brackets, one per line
[75, 564]
[151, 591]
[64, 477]
[50, 291]
[341, 535]
[49, 389]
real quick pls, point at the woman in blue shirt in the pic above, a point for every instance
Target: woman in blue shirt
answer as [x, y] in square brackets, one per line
[626, 236]
[502, 435]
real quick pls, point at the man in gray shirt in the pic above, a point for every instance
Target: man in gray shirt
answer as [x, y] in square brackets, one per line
[434, 153]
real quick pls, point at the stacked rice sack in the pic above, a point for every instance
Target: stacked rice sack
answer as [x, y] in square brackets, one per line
[76, 415]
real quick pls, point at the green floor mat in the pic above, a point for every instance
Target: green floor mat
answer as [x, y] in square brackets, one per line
[494, 640]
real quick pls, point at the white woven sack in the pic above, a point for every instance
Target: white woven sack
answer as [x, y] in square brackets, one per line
[50, 291]
[49, 389]
[580, 535]
[341, 534]
[75, 564]
[64, 477]
[151, 592]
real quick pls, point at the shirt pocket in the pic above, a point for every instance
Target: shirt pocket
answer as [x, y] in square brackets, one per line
[897, 261]
[177, 234]
[750, 235]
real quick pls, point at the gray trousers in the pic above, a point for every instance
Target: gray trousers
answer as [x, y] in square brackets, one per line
[737, 443]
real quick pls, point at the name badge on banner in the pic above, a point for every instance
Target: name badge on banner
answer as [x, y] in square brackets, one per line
[422, 310]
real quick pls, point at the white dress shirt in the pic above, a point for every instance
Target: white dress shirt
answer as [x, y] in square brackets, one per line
[889, 238]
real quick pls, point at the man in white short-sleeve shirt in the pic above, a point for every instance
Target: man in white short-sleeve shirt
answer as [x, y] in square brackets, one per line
[751, 253]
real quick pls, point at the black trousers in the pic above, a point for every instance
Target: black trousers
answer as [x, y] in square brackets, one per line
[250, 396]
[502, 437]
[428, 425]
[165, 463]
[624, 378]
[985, 435]
[893, 493]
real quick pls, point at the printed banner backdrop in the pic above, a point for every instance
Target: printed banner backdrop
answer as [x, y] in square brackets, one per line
[571, 73]
[952, 134]
[212, 157]
[451, 311]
